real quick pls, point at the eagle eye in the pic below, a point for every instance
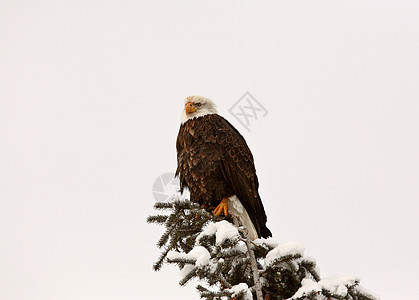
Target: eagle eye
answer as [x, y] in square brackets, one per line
[198, 104]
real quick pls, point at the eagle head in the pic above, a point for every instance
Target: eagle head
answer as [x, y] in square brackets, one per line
[197, 106]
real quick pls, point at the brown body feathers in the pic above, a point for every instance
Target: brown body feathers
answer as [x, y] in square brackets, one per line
[214, 162]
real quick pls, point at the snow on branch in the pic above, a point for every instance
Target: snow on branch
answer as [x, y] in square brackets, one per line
[229, 265]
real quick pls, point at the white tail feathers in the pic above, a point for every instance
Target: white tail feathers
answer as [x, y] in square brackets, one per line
[237, 210]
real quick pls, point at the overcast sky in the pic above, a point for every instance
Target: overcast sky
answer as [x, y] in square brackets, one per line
[90, 100]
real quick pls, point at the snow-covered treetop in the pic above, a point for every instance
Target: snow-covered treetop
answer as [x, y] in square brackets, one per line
[228, 264]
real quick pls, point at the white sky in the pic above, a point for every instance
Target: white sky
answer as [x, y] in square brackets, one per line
[90, 99]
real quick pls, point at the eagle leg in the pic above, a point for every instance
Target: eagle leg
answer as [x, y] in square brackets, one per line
[222, 207]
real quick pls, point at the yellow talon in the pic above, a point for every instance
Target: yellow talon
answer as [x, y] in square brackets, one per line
[222, 207]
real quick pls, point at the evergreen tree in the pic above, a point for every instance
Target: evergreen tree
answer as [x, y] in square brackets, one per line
[231, 266]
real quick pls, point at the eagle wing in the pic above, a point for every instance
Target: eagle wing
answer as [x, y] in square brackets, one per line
[240, 172]
[211, 145]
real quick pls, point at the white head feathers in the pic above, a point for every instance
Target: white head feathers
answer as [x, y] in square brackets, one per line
[201, 106]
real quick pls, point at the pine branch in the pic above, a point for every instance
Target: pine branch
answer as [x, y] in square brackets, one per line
[163, 205]
[310, 266]
[159, 219]
[159, 263]
[210, 295]
[220, 255]
[255, 271]
[188, 277]
[224, 281]
[181, 260]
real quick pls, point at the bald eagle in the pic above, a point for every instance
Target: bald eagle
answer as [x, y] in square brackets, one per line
[216, 165]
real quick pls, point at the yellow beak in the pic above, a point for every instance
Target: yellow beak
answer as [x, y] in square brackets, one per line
[190, 108]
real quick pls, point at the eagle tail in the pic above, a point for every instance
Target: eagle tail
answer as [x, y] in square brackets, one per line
[264, 231]
[236, 209]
